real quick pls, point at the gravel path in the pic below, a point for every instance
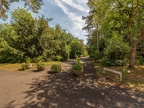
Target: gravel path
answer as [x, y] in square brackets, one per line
[64, 90]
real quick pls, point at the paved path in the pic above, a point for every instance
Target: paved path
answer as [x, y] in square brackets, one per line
[64, 90]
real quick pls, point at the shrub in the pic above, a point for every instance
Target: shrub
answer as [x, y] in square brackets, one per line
[27, 60]
[59, 58]
[40, 66]
[56, 67]
[109, 62]
[97, 55]
[77, 69]
[27, 64]
[24, 66]
[78, 60]
[139, 60]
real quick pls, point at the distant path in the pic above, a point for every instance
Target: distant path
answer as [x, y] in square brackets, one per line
[64, 90]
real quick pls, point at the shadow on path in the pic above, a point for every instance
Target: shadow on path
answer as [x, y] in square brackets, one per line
[63, 90]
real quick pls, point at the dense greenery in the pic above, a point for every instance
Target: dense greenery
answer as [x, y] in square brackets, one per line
[33, 5]
[56, 68]
[28, 37]
[115, 29]
[77, 68]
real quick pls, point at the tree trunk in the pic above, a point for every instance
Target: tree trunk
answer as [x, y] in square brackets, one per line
[132, 57]
[134, 48]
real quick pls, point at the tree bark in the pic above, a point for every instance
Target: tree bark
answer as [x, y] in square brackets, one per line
[134, 48]
[132, 57]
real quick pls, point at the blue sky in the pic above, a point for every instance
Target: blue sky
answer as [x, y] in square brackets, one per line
[67, 13]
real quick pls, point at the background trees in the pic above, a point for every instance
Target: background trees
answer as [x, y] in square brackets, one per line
[34, 5]
[123, 18]
[28, 37]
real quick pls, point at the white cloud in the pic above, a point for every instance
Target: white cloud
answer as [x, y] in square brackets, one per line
[75, 5]
[77, 22]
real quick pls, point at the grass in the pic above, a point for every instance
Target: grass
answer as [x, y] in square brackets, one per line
[134, 79]
[16, 66]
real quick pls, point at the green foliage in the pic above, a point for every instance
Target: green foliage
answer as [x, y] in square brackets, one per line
[59, 58]
[110, 62]
[97, 56]
[39, 59]
[27, 64]
[77, 48]
[32, 5]
[56, 67]
[77, 67]
[27, 60]
[24, 66]
[29, 37]
[126, 72]
[116, 27]
[78, 60]
[139, 60]
[40, 66]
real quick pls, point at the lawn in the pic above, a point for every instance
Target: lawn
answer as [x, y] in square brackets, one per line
[16, 66]
[133, 79]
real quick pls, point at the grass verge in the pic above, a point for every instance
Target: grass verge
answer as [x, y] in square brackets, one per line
[133, 79]
[16, 66]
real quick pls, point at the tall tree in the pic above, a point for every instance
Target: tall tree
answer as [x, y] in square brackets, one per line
[33, 5]
[24, 25]
[123, 16]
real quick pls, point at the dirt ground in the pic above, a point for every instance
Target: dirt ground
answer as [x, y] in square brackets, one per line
[31, 89]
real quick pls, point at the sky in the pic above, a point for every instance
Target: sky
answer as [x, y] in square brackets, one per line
[67, 13]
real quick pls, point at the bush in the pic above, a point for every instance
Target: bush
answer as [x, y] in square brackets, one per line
[97, 55]
[117, 51]
[139, 60]
[24, 66]
[40, 66]
[78, 60]
[59, 58]
[77, 69]
[56, 68]
[109, 62]
[27, 64]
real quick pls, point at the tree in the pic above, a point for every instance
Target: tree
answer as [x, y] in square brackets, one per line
[34, 5]
[28, 37]
[122, 16]
[24, 26]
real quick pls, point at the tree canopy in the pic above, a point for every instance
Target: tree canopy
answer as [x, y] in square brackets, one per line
[119, 19]
[32, 37]
[33, 5]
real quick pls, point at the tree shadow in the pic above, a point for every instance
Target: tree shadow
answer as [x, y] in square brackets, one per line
[63, 90]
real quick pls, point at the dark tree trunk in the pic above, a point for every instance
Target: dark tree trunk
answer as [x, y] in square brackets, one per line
[133, 50]
[132, 57]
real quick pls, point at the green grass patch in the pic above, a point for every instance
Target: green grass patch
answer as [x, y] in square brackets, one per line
[16, 66]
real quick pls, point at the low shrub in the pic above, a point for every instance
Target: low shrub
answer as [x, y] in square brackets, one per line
[97, 56]
[24, 66]
[40, 66]
[139, 60]
[108, 62]
[77, 69]
[56, 68]
[27, 64]
[59, 58]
